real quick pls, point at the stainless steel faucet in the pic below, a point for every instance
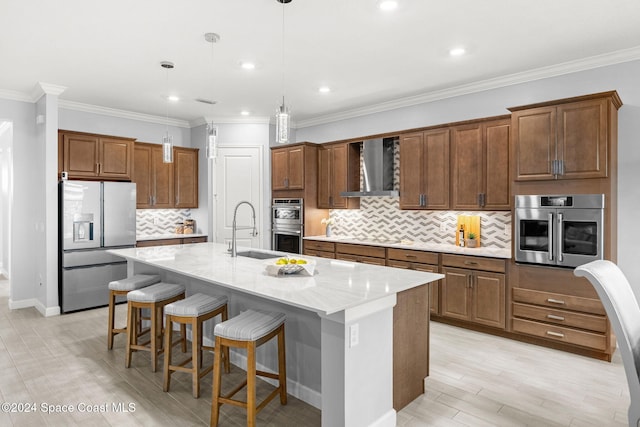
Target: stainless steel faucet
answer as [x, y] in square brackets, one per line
[235, 227]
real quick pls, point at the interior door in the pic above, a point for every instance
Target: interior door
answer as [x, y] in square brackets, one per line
[238, 175]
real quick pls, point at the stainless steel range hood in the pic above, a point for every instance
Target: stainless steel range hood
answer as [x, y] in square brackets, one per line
[377, 169]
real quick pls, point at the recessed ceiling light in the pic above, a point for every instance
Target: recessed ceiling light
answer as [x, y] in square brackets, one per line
[457, 51]
[173, 98]
[324, 89]
[248, 65]
[388, 5]
[244, 113]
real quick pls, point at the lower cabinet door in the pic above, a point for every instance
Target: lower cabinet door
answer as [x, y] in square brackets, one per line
[455, 293]
[488, 299]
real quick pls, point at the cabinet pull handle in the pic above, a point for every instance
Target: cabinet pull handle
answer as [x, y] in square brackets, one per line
[470, 263]
[410, 256]
[555, 334]
[554, 317]
[555, 301]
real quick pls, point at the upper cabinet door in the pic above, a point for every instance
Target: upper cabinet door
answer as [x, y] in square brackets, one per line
[411, 171]
[497, 137]
[296, 168]
[279, 169]
[534, 133]
[467, 166]
[436, 167]
[142, 162]
[81, 154]
[162, 180]
[185, 174]
[116, 158]
[324, 178]
[582, 139]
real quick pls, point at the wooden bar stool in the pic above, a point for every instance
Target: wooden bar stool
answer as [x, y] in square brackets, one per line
[249, 330]
[154, 298]
[193, 310]
[121, 288]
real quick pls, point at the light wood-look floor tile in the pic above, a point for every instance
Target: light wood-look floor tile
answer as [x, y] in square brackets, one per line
[476, 380]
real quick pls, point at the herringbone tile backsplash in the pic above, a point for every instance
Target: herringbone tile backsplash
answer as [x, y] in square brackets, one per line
[382, 218]
[159, 221]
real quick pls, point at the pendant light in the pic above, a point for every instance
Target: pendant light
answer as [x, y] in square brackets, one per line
[283, 114]
[167, 139]
[212, 130]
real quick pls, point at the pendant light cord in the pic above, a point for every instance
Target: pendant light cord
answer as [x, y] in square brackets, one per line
[283, 3]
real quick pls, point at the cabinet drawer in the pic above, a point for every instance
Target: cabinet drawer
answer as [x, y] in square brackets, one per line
[319, 246]
[473, 262]
[561, 317]
[370, 251]
[412, 256]
[430, 268]
[561, 334]
[562, 301]
[322, 254]
[361, 258]
[194, 239]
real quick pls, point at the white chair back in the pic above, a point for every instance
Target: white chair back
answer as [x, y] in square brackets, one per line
[623, 311]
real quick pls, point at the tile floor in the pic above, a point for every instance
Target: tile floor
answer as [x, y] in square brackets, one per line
[475, 380]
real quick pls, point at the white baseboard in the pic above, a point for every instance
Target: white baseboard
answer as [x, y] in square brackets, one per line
[387, 420]
[35, 303]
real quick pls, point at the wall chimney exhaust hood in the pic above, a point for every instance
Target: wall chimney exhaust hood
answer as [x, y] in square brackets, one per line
[377, 169]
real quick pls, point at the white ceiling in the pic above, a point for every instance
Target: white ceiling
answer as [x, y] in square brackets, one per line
[108, 53]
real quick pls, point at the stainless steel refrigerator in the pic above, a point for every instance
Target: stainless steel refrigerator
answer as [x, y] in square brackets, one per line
[94, 217]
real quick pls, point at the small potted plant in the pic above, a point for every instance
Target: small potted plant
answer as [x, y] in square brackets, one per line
[472, 241]
[328, 222]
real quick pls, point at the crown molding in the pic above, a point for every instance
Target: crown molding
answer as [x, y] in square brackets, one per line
[124, 114]
[200, 121]
[612, 58]
[14, 95]
[41, 89]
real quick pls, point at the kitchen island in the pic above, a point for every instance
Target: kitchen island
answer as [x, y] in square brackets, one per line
[339, 328]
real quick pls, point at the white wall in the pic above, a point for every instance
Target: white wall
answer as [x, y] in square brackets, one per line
[24, 237]
[6, 194]
[621, 77]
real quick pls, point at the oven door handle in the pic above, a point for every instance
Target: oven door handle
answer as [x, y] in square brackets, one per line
[560, 236]
[276, 231]
[551, 239]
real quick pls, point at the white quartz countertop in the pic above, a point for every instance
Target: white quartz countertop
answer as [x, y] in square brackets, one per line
[335, 285]
[419, 246]
[167, 236]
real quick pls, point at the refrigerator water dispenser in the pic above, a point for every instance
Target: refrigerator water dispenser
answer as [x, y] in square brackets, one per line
[82, 227]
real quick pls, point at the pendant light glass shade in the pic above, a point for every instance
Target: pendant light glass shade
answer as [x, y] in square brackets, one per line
[167, 148]
[283, 123]
[212, 141]
[283, 114]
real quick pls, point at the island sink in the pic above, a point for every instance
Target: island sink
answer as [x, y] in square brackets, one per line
[257, 255]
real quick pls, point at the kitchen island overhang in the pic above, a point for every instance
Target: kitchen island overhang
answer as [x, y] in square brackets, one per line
[339, 329]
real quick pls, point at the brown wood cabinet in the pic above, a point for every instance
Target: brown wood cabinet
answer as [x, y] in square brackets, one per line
[474, 289]
[559, 308]
[565, 139]
[153, 177]
[168, 242]
[375, 255]
[480, 166]
[319, 248]
[338, 171]
[424, 169]
[92, 156]
[420, 261]
[287, 167]
[165, 185]
[185, 177]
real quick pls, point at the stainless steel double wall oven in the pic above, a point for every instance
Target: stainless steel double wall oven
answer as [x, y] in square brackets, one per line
[287, 225]
[560, 230]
